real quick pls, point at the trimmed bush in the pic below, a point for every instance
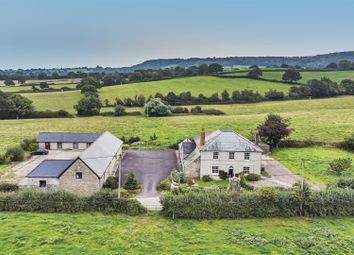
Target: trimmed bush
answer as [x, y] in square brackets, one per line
[15, 153]
[212, 111]
[266, 203]
[119, 110]
[165, 184]
[60, 201]
[131, 183]
[7, 187]
[244, 184]
[223, 175]
[253, 177]
[206, 178]
[111, 183]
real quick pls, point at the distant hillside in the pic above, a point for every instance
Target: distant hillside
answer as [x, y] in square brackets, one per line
[318, 61]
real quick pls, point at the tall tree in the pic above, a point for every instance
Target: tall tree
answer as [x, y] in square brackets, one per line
[255, 73]
[274, 129]
[9, 82]
[291, 75]
[345, 65]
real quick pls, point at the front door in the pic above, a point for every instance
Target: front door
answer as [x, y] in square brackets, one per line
[47, 146]
[231, 171]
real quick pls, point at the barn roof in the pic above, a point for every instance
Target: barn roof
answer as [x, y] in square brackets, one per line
[50, 168]
[66, 137]
[100, 154]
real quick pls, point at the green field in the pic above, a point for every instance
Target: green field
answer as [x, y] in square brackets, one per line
[53, 83]
[201, 84]
[320, 120]
[120, 234]
[316, 162]
[337, 76]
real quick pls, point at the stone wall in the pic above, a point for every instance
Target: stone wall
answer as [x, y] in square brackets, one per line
[89, 183]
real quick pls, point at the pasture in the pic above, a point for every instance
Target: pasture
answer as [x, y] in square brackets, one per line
[121, 234]
[53, 83]
[337, 76]
[330, 120]
[196, 85]
[316, 162]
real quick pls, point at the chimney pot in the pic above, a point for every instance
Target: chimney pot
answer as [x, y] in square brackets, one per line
[202, 137]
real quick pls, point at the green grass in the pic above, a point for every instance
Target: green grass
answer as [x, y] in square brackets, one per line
[337, 76]
[316, 162]
[329, 120]
[213, 183]
[201, 84]
[34, 233]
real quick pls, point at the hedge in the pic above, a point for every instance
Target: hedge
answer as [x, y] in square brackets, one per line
[61, 201]
[232, 205]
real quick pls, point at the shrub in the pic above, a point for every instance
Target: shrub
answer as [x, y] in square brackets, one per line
[59, 201]
[49, 114]
[253, 177]
[212, 111]
[15, 153]
[131, 183]
[348, 144]
[119, 110]
[26, 144]
[178, 176]
[223, 175]
[153, 137]
[133, 139]
[165, 184]
[180, 110]
[244, 184]
[346, 183]
[155, 107]
[89, 105]
[88, 89]
[7, 187]
[340, 165]
[206, 178]
[111, 183]
[196, 110]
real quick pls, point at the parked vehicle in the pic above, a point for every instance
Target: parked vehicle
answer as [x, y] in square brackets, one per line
[40, 152]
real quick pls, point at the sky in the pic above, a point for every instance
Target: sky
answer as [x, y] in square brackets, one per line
[117, 33]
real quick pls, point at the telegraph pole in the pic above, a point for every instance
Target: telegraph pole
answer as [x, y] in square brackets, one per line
[302, 174]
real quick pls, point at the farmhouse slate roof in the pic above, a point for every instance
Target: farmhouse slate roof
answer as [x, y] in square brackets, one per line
[66, 137]
[100, 154]
[188, 148]
[226, 140]
[50, 168]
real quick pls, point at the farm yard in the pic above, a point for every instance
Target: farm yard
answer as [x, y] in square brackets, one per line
[121, 234]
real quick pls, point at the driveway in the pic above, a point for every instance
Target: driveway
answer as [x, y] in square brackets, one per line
[17, 172]
[281, 176]
[149, 166]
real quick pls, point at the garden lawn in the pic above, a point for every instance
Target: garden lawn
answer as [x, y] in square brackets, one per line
[35, 233]
[196, 85]
[316, 162]
[330, 120]
[213, 183]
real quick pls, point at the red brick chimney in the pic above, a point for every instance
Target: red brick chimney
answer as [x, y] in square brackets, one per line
[202, 137]
[256, 137]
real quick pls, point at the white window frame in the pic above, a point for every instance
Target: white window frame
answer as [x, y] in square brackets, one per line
[246, 170]
[75, 146]
[247, 156]
[212, 170]
[215, 155]
[233, 155]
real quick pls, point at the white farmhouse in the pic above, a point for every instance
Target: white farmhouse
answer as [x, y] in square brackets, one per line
[221, 150]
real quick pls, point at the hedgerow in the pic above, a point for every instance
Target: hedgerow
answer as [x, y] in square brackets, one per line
[264, 203]
[61, 201]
